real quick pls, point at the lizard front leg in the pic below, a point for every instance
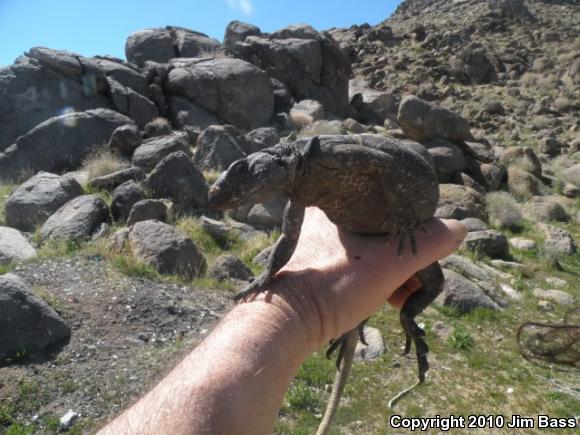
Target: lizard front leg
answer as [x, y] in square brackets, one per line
[282, 250]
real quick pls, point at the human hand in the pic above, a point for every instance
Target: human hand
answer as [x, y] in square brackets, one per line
[335, 279]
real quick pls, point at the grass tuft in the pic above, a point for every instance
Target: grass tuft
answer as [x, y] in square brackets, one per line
[503, 210]
[102, 162]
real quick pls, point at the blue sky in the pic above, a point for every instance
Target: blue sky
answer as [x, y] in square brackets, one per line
[102, 26]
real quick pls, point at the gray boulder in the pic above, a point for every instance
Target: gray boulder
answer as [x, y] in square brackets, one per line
[163, 44]
[176, 177]
[125, 73]
[523, 158]
[493, 175]
[37, 198]
[522, 243]
[222, 231]
[128, 102]
[491, 243]
[14, 247]
[41, 84]
[186, 115]
[166, 249]
[219, 146]
[123, 199]
[557, 241]
[448, 158]
[268, 215]
[60, 142]
[309, 64]
[464, 201]
[375, 345]
[523, 184]
[474, 224]
[125, 140]
[227, 267]
[463, 295]
[370, 105]
[473, 64]
[305, 112]
[149, 209]
[155, 149]
[220, 87]
[262, 137]
[28, 325]
[237, 31]
[558, 296]
[544, 209]
[77, 219]
[111, 181]
[421, 121]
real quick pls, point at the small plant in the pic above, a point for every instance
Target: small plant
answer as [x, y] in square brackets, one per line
[302, 397]
[102, 162]
[130, 266]
[460, 339]
[504, 211]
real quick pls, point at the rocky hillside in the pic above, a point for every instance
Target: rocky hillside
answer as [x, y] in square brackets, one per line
[112, 264]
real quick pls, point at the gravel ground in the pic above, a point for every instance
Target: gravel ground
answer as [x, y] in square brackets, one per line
[126, 333]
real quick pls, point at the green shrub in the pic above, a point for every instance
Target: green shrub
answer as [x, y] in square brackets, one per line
[503, 210]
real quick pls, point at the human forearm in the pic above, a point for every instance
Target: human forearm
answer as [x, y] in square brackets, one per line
[233, 382]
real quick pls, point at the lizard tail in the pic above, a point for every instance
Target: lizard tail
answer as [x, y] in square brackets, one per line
[339, 382]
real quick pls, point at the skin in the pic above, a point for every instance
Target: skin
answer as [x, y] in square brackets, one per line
[235, 380]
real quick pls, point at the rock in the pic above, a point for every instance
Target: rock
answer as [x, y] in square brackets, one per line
[309, 64]
[28, 326]
[570, 191]
[128, 102]
[219, 146]
[149, 209]
[463, 295]
[323, 127]
[153, 150]
[572, 175]
[176, 177]
[556, 296]
[448, 158]
[545, 306]
[118, 239]
[557, 282]
[125, 73]
[305, 112]
[263, 137]
[474, 224]
[371, 106]
[375, 348]
[76, 220]
[166, 249]
[214, 84]
[60, 142]
[507, 264]
[549, 145]
[466, 201]
[111, 181]
[267, 215]
[37, 198]
[524, 158]
[188, 116]
[475, 272]
[220, 231]
[157, 127]
[421, 121]
[523, 184]
[557, 241]
[227, 267]
[237, 31]
[68, 419]
[163, 44]
[511, 292]
[474, 64]
[124, 197]
[14, 247]
[125, 139]
[491, 243]
[522, 243]
[41, 84]
[544, 209]
[493, 175]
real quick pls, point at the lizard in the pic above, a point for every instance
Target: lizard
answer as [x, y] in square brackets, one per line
[366, 184]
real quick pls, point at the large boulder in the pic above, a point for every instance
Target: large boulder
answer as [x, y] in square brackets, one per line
[421, 121]
[463, 295]
[176, 177]
[60, 142]
[123, 199]
[523, 158]
[490, 242]
[130, 103]
[523, 184]
[371, 106]
[28, 325]
[219, 146]
[462, 201]
[557, 240]
[14, 247]
[43, 84]
[221, 86]
[186, 115]
[163, 44]
[77, 219]
[155, 149]
[37, 198]
[111, 181]
[227, 267]
[448, 158]
[474, 65]
[237, 31]
[149, 209]
[309, 64]
[166, 249]
[544, 209]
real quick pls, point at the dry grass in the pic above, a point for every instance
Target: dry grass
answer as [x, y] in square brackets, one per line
[102, 162]
[503, 210]
[548, 81]
[215, 53]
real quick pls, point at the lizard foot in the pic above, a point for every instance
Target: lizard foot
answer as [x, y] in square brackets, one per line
[253, 288]
[407, 232]
[343, 341]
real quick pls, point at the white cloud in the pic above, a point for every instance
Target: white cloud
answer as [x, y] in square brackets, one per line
[246, 7]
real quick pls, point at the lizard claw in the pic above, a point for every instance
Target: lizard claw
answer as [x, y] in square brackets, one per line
[254, 287]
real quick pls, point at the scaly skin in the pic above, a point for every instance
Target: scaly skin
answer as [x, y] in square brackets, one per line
[366, 184]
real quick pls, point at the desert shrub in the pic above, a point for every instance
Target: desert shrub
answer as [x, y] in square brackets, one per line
[503, 210]
[102, 162]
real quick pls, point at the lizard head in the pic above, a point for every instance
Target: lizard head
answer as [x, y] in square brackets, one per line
[259, 177]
